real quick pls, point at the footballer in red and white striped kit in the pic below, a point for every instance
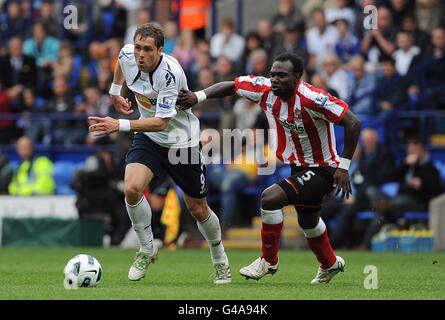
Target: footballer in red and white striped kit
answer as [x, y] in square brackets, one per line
[303, 118]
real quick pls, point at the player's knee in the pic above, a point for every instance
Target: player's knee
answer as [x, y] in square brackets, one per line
[198, 210]
[269, 201]
[132, 194]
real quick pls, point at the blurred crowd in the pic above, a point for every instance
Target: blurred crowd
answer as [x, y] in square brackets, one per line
[48, 69]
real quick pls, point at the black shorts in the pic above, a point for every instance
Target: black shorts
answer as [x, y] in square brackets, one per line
[189, 173]
[306, 187]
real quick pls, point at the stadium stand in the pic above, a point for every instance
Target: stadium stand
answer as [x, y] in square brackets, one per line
[402, 106]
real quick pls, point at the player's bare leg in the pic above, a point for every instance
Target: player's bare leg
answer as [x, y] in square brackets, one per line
[137, 177]
[210, 228]
[317, 238]
[272, 200]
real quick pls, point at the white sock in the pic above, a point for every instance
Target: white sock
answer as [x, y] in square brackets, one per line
[272, 216]
[211, 230]
[140, 216]
[317, 231]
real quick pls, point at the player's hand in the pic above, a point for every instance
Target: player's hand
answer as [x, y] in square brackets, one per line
[186, 99]
[342, 183]
[122, 104]
[103, 126]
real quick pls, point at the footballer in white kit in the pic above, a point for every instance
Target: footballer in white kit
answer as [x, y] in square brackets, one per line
[163, 134]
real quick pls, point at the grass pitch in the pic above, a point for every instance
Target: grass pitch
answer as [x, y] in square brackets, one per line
[37, 273]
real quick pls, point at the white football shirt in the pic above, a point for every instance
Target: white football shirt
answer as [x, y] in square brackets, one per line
[156, 94]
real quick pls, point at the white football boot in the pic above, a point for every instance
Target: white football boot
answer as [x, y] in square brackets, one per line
[258, 269]
[141, 261]
[325, 275]
[222, 273]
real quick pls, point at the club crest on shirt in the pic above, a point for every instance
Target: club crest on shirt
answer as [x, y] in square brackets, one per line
[297, 115]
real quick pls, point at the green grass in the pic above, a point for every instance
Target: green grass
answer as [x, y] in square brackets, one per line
[187, 274]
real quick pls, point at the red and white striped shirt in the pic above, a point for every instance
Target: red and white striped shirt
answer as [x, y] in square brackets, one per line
[304, 124]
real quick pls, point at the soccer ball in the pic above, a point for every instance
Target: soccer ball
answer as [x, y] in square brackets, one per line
[82, 271]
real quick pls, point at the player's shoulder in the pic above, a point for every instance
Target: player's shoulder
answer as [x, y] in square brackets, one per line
[170, 64]
[318, 96]
[254, 80]
[168, 71]
[127, 53]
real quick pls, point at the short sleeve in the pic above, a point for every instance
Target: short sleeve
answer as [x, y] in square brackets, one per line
[252, 87]
[322, 104]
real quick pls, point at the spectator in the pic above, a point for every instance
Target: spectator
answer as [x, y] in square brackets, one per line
[253, 42]
[171, 36]
[14, 25]
[269, 38]
[142, 16]
[400, 9]
[348, 44]
[34, 176]
[419, 183]
[429, 13]
[227, 43]
[318, 81]
[321, 39]
[287, 12]
[206, 78]
[35, 129]
[246, 113]
[435, 70]
[391, 90]
[201, 62]
[239, 174]
[406, 56]
[63, 66]
[49, 19]
[361, 86]
[44, 48]
[185, 50]
[378, 44]
[225, 71]
[308, 7]
[421, 39]
[294, 41]
[335, 76]
[17, 68]
[97, 104]
[342, 11]
[194, 16]
[257, 64]
[6, 173]
[65, 131]
[98, 196]
[8, 129]
[373, 165]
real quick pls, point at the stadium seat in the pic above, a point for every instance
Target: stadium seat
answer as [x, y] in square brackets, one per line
[365, 215]
[440, 166]
[390, 189]
[63, 174]
[416, 215]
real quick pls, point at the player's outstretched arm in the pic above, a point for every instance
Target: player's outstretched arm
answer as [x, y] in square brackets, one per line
[187, 99]
[352, 131]
[108, 125]
[120, 103]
